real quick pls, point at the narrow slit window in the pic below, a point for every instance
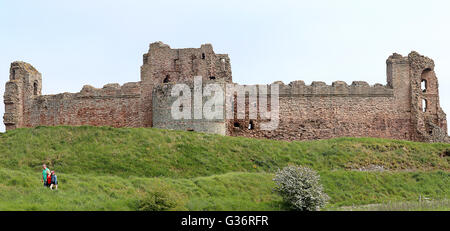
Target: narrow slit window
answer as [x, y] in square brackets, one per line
[424, 105]
[423, 85]
[35, 88]
[203, 56]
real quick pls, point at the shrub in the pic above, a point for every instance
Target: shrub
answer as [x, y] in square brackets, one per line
[162, 198]
[300, 188]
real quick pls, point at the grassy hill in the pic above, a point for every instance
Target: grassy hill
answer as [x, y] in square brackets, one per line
[103, 168]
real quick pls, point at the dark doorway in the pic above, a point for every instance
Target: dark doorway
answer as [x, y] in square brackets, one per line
[167, 79]
[251, 125]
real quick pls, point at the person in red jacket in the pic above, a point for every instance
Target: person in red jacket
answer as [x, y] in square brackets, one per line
[49, 178]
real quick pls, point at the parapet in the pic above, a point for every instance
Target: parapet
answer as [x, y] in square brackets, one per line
[112, 90]
[298, 88]
[131, 89]
[338, 88]
[397, 59]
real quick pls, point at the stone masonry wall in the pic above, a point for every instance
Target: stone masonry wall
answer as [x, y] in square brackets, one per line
[162, 118]
[113, 105]
[407, 107]
[321, 111]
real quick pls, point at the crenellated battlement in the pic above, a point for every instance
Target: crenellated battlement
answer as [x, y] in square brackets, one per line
[338, 88]
[315, 89]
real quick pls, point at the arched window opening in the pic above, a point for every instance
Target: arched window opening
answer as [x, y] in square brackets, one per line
[423, 85]
[203, 56]
[180, 108]
[424, 105]
[251, 125]
[35, 88]
[426, 76]
[167, 79]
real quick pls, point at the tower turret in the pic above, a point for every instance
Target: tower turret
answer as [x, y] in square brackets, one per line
[25, 82]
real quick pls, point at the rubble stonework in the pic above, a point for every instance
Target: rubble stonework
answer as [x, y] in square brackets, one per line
[407, 107]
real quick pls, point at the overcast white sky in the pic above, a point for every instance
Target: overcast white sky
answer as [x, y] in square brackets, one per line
[73, 43]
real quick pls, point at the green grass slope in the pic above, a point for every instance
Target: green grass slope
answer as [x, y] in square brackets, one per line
[102, 168]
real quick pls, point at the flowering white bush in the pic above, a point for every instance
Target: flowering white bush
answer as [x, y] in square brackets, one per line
[300, 188]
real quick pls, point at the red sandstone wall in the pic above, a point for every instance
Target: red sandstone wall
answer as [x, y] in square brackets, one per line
[320, 111]
[308, 118]
[165, 65]
[110, 106]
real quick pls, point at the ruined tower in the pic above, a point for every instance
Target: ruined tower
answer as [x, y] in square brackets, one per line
[24, 84]
[428, 118]
[163, 66]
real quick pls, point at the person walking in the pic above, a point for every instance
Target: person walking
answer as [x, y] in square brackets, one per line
[44, 175]
[54, 181]
[49, 178]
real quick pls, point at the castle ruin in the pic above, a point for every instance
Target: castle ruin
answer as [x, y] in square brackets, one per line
[406, 108]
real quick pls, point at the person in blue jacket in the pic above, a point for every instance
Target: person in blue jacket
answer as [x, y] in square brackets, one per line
[54, 181]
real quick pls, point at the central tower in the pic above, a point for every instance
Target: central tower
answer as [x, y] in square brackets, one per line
[164, 65]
